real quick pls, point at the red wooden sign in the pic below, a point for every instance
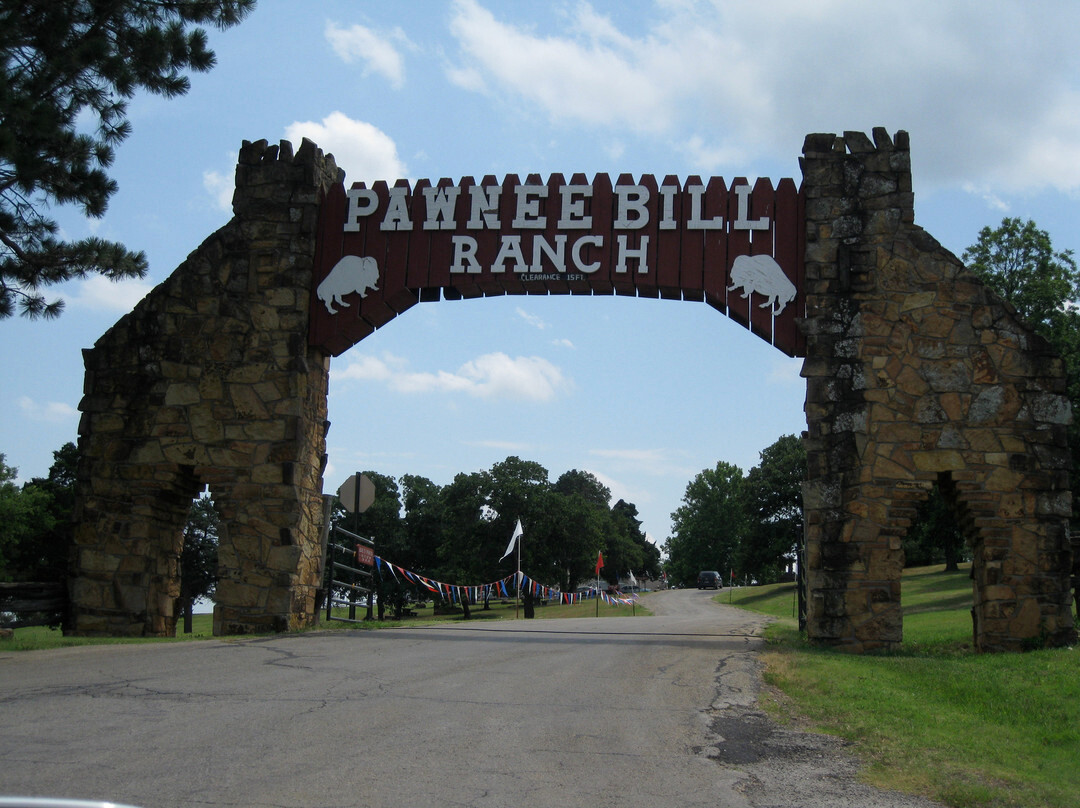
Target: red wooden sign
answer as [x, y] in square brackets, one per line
[365, 555]
[385, 248]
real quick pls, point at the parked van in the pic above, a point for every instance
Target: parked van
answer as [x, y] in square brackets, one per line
[709, 579]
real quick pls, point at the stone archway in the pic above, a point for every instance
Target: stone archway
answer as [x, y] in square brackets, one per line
[210, 381]
[913, 370]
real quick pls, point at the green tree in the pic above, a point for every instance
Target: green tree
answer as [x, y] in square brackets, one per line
[422, 505]
[573, 525]
[35, 521]
[382, 523]
[198, 559]
[774, 510]
[471, 544]
[519, 490]
[68, 71]
[23, 513]
[709, 526]
[1018, 261]
[43, 554]
[625, 515]
[935, 536]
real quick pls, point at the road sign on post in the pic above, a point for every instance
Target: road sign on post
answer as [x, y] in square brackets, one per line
[357, 493]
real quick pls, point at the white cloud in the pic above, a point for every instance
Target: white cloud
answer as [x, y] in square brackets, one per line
[373, 48]
[651, 456]
[492, 376]
[563, 342]
[990, 92]
[596, 79]
[620, 490]
[101, 294]
[367, 368]
[710, 157]
[653, 462]
[992, 200]
[531, 319]
[364, 151]
[501, 445]
[52, 411]
[220, 188]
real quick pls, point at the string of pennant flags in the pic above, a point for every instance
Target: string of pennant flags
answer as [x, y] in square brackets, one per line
[502, 588]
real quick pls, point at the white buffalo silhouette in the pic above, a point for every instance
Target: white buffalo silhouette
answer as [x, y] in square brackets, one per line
[353, 273]
[761, 274]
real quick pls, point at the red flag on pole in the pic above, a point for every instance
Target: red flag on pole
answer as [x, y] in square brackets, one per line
[599, 563]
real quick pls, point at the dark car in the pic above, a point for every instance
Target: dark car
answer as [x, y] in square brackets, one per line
[709, 579]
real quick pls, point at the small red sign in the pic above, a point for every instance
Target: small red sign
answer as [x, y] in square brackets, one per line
[365, 555]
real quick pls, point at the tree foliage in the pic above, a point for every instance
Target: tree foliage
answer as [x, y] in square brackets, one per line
[1018, 261]
[67, 72]
[198, 559]
[935, 536]
[35, 520]
[709, 526]
[774, 506]
[459, 532]
[454, 533]
[748, 525]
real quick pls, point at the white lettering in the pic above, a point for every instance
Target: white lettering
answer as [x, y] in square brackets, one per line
[510, 247]
[528, 207]
[667, 207]
[632, 199]
[556, 254]
[485, 207]
[742, 223]
[362, 202]
[440, 204]
[640, 254]
[573, 210]
[696, 222]
[397, 211]
[579, 245]
[464, 255]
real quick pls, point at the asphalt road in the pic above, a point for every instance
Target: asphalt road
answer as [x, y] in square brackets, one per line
[640, 711]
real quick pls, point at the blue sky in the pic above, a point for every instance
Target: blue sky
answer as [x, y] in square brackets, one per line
[642, 393]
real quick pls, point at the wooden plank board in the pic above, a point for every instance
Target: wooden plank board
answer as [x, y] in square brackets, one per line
[738, 242]
[564, 237]
[789, 256]
[716, 250]
[762, 206]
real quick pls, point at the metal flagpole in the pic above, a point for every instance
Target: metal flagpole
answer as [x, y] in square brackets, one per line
[598, 557]
[517, 578]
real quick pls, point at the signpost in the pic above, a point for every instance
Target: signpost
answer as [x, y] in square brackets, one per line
[357, 495]
[365, 555]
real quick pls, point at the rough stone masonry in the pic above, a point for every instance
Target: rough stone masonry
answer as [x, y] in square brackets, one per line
[916, 375]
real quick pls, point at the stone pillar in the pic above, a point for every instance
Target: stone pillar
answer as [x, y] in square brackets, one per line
[917, 374]
[209, 381]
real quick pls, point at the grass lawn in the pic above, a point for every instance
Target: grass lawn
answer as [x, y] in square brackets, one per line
[499, 611]
[34, 638]
[935, 718]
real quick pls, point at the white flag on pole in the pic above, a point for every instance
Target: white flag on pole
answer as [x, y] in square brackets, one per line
[510, 547]
[633, 580]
